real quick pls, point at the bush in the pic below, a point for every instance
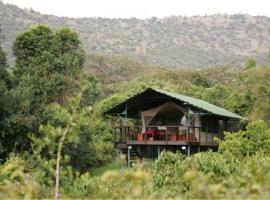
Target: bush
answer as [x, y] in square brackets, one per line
[247, 143]
[167, 173]
[16, 183]
[128, 184]
[215, 165]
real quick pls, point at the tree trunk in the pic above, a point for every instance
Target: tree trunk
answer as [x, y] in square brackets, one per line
[57, 170]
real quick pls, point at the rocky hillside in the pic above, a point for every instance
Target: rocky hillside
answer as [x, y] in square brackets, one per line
[172, 41]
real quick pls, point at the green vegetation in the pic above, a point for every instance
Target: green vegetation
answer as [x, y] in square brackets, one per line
[52, 127]
[98, 171]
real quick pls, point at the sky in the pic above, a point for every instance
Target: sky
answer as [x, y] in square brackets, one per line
[144, 8]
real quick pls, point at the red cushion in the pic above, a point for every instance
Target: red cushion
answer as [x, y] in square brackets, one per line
[151, 132]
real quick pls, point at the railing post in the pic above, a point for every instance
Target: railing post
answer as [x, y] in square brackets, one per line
[166, 135]
[128, 133]
[199, 135]
[120, 132]
[145, 135]
[125, 134]
[134, 133]
[187, 139]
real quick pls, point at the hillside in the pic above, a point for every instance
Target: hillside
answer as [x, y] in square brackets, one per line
[172, 41]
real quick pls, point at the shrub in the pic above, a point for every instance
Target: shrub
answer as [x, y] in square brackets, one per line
[215, 165]
[246, 143]
[16, 183]
[167, 173]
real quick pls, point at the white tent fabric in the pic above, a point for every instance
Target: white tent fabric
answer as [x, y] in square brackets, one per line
[148, 115]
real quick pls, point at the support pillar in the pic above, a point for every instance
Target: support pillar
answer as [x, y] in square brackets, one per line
[158, 151]
[188, 151]
[128, 156]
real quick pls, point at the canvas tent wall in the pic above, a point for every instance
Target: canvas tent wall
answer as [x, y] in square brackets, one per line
[149, 117]
[168, 114]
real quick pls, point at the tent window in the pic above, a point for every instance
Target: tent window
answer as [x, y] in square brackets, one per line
[210, 125]
[162, 119]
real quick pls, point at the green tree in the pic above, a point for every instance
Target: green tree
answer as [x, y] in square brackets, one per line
[51, 59]
[5, 86]
[256, 81]
[48, 69]
[68, 138]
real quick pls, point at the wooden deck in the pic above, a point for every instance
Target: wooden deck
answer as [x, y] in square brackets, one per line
[158, 142]
[163, 143]
[192, 136]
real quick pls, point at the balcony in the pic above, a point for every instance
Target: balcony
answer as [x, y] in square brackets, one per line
[163, 135]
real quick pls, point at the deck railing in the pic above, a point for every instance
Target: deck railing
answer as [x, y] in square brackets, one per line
[125, 134]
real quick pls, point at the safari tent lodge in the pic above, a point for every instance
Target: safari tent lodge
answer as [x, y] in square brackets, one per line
[154, 120]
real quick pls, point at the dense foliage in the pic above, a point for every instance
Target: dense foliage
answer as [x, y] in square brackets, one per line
[47, 74]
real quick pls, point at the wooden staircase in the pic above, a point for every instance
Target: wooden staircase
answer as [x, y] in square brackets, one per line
[135, 155]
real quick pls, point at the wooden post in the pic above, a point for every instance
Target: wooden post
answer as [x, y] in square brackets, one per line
[166, 135]
[120, 132]
[199, 135]
[145, 135]
[158, 151]
[129, 133]
[125, 134]
[187, 135]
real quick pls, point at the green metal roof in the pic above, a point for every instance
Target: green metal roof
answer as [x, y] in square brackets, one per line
[139, 102]
[200, 104]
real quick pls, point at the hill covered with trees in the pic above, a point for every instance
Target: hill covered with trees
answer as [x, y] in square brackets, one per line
[173, 41]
